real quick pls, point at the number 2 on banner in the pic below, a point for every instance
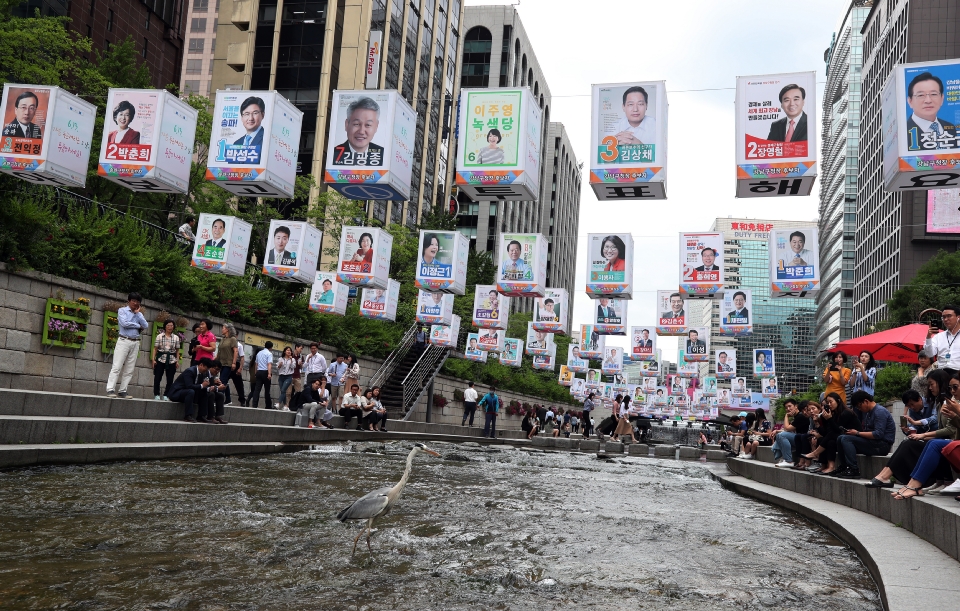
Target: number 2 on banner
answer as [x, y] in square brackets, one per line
[611, 153]
[753, 149]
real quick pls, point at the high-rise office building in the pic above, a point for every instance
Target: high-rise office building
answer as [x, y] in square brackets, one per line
[201, 32]
[557, 214]
[305, 50]
[840, 135]
[891, 241]
[785, 324]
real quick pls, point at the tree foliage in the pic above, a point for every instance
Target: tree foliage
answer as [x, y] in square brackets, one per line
[936, 284]
[892, 381]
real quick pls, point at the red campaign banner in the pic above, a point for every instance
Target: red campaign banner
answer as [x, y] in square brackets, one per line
[758, 148]
[128, 152]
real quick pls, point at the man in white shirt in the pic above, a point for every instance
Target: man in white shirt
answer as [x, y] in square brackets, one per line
[314, 365]
[186, 230]
[263, 376]
[335, 377]
[943, 344]
[352, 406]
[636, 127]
[237, 375]
[469, 403]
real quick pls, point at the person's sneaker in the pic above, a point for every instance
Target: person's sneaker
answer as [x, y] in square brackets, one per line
[784, 463]
[310, 426]
[953, 488]
[166, 398]
[849, 474]
[742, 455]
[157, 398]
[285, 409]
[749, 456]
[935, 489]
[111, 393]
[814, 467]
[122, 394]
[228, 403]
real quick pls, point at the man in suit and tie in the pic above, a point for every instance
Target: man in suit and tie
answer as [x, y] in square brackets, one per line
[279, 255]
[740, 315]
[252, 112]
[606, 313]
[793, 127]
[217, 229]
[363, 120]
[695, 345]
[25, 109]
[643, 343]
[722, 365]
[709, 257]
[925, 130]
[676, 307]
[190, 388]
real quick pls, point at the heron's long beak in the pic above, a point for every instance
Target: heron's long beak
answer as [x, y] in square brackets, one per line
[431, 452]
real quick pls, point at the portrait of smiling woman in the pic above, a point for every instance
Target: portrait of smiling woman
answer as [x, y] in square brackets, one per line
[123, 116]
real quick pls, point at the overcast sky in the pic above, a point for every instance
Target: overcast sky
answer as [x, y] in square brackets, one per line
[694, 44]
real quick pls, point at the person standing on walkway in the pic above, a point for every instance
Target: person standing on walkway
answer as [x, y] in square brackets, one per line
[285, 368]
[469, 403]
[940, 344]
[237, 376]
[314, 365]
[297, 372]
[131, 324]
[585, 418]
[206, 341]
[352, 374]
[491, 407]
[165, 358]
[227, 357]
[335, 375]
[263, 376]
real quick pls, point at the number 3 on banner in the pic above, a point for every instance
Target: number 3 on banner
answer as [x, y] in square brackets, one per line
[611, 153]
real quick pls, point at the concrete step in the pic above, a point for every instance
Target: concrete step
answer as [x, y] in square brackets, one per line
[68, 454]
[869, 465]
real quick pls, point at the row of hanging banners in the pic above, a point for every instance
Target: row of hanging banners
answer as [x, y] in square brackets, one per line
[149, 135]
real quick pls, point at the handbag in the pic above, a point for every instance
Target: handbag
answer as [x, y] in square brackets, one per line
[952, 453]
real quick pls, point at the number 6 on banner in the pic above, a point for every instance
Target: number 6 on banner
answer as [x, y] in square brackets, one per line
[611, 153]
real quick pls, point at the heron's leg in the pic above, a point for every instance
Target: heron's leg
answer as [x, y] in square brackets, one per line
[355, 541]
[369, 532]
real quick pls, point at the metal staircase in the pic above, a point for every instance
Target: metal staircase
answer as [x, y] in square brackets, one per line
[407, 373]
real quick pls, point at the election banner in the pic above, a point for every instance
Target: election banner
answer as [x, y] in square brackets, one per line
[522, 267]
[710, 386]
[512, 353]
[446, 335]
[148, 141]
[546, 362]
[685, 368]
[643, 343]
[763, 363]
[628, 144]
[575, 362]
[491, 340]
[380, 304]
[677, 385]
[538, 342]
[738, 387]
[697, 345]
[651, 369]
[612, 363]
[769, 388]
[593, 378]
[364, 257]
[442, 264]
[701, 264]
[46, 135]
[776, 134]
[327, 295]
[943, 211]
[672, 313]
[434, 308]
[498, 155]
[794, 262]
[221, 244]
[920, 113]
[610, 316]
[592, 342]
[472, 351]
[736, 312]
[566, 376]
[578, 387]
[726, 360]
[610, 265]
[293, 251]
[490, 308]
[371, 143]
[550, 311]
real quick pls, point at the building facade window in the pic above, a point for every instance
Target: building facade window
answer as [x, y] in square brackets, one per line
[198, 24]
[195, 45]
[477, 44]
[109, 20]
[201, 6]
[194, 66]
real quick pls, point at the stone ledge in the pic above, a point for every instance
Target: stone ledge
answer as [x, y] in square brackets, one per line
[56, 454]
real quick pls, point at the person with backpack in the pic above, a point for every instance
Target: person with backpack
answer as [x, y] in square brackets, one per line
[491, 407]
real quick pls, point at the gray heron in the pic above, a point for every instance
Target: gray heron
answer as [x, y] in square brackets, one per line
[377, 503]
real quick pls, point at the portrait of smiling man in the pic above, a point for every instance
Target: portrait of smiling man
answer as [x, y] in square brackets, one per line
[361, 124]
[793, 127]
[251, 117]
[925, 130]
[25, 109]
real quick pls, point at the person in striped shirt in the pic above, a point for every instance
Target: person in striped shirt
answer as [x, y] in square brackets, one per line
[492, 154]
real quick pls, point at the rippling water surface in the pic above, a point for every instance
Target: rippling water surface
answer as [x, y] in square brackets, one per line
[480, 528]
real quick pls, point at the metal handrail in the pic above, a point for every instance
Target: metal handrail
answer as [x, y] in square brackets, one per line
[417, 380]
[390, 363]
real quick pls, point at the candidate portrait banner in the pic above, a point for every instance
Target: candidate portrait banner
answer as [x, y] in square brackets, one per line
[491, 340]
[512, 353]
[776, 134]
[710, 386]
[736, 312]
[546, 362]
[943, 211]
[593, 378]
[434, 308]
[327, 295]
[575, 361]
[442, 263]
[794, 261]
[522, 267]
[490, 308]
[726, 363]
[769, 388]
[697, 345]
[380, 304]
[610, 265]
[446, 335]
[701, 264]
[578, 387]
[592, 342]
[538, 342]
[671, 313]
[293, 251]
[550, 311]
[472, 351]
[566, 376]
[612, 363]
[221, 245]
[643, 343]
[763, 363]
[610, 316]
[628, 144]
[739, 388]
[364, 256]
[686, 368]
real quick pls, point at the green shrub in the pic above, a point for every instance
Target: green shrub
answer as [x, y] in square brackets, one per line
[892, 381]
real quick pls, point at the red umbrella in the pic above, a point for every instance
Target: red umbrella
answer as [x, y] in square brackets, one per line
[901, 344]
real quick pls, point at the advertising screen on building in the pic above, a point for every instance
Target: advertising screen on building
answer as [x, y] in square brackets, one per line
[46, 135]
[701, 264]
[610, 316]
[628, 144]
[736, 309]
[498, 155]
[446, 335]
[538, 342]
[380, 304]
[434, 308]
[221, 245]
[327, 295]
[371, 141]
[148, 141]
[610, 265]
[522, 268]
[442, 263]
[643, 343]
[364, 256]
[921, 115]
[575, 361]
[671, 313]
[490, 308]
[512, 353]
[943, 211]
[254, 143]
[763, 363]
[550, 311]
[592, 342]
[776, 134]
[492, 340]
[612, 363]
[293, 249]
[794, 261]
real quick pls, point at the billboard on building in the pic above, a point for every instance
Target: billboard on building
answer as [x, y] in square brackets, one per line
[442, 263]
[610, 265]
[671, 313]
[46, 135]
[794, 261]
[364, 256]
[492, 340]
[943, 211]
[498, 155]
[643, 343]
[592, 342]
[550, 311]
[538, 342]
[512, 353]
[254, 143]
[763, 363]
[575, 361]
[327, 295]
[736, 312]
[148, 141]
[221, 244]
[380, 304]
[701, 264]
[293, 250]
[434, 308]
[776, 134]
[522, 267]
[446, 335]
[490, 308]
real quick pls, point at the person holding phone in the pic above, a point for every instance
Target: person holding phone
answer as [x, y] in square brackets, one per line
[864, 374]
[836, 376]
[941, 344]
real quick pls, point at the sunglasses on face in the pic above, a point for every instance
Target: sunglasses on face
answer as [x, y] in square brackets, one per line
[954, 386]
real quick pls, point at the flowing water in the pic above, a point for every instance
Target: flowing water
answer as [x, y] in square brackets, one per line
[479, 528]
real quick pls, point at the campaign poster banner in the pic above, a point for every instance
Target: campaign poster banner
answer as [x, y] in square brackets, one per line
[701, 264]
[738, 387]
[472, 351]
[566, 376]
[769, 388]
[794, 261]
[671, 313]
[650, 369]
[380, 304]
[677, 384]
[776, 134]
[327, 295]
[943, 211]
[371, 140]
[364, 256]
[921, 115]
[686, 368]
[611, 316]
[736, 308]
[610, 265]
[578, 387]
[130, 130]
[628, 158]
[512, 353]
[546, 362]
[550, 311]
[643, 343]
[446, 335]
[442, 264]
[592, 342]
[575, 361]
[649, 385]
[499, 138]
[538, 342]
[763, 363]
[434, 308]
[593, 378]
[726, 360]
[221, 244]
[697, 345]
[522, 267]
[710, 386]
[293, 251]
[612, 363]
[47, 134]
[491, 340]
[490, 308]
